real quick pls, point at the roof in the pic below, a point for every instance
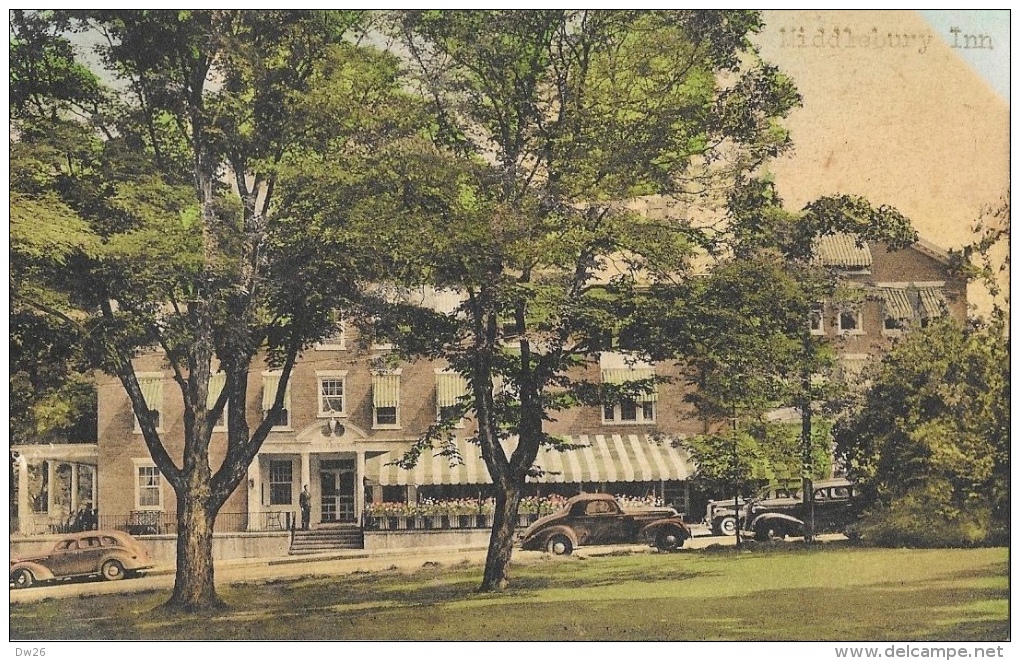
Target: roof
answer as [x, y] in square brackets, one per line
[928, 248]
[843, 251]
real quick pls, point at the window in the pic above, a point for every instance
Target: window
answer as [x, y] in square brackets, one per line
[892, 325]
[629, 411]
[151, 385]
[386, 399]
[331, 393]
[816, 319]
[280, 481]
[148, 486]
[270, 387]
[897, 309]
[851, 321]
[637, 410]
[450, 388]
[600, 508]
[337, 339]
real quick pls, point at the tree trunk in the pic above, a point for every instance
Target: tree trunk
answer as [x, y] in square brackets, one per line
[807, 486]
[194, 586]
[501, 541]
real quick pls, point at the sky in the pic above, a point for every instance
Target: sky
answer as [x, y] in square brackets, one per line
[992, 63]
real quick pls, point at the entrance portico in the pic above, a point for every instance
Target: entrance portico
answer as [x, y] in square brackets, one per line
[329, 457]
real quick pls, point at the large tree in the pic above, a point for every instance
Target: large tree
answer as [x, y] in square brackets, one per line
[547, 122]
[741, 332]
[175, 176]
[931, 442]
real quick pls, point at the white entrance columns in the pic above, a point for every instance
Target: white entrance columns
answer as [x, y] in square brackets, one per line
[24, 509]
[51, 487]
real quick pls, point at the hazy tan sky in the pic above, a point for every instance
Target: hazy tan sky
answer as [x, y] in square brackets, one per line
[893, 111]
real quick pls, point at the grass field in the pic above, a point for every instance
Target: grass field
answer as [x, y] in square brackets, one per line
[786, 593]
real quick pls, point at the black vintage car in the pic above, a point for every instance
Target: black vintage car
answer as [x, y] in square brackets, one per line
[597, 518]
[779, 517]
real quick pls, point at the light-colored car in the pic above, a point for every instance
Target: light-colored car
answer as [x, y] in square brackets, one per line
[722, 518]
[112, 554]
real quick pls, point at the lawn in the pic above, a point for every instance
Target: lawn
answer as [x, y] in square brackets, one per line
[784, 593]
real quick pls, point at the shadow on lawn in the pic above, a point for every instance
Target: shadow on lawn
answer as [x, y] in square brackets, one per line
[442, 603]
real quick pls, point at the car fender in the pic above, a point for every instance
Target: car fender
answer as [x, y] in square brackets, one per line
[791, 522]
[654, 527]
[543, 536]
[119, 556]
[39, 572]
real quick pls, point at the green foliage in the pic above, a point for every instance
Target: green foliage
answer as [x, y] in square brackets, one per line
[987, 259]
[933, 432]
[763, 451]
[163, 224]
[854, 215]
[546, 124]
[926, 516]
[728, 459]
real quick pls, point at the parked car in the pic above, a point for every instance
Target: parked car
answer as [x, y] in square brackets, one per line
[722, 517]
[786, 515]
[112, 554]
[596, 518]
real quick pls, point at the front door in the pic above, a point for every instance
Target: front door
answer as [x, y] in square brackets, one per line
[337, 488]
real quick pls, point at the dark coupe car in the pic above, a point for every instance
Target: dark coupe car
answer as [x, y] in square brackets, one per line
[112, 554]
[597, 518]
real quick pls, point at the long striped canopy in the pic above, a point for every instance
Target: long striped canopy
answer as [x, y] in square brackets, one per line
[603, 458]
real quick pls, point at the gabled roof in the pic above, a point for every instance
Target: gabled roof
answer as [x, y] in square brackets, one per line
[931, 250]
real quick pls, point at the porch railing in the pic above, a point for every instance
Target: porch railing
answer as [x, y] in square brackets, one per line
[165, 523]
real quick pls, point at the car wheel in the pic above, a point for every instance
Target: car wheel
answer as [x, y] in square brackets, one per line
[670, 539]
[559, 545]
[769, 532]
[112, 570]
[23, 578]
[728, 526]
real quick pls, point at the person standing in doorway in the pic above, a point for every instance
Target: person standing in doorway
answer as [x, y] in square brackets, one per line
[306, 507]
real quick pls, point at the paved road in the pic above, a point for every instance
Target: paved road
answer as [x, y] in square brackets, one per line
[340, 563]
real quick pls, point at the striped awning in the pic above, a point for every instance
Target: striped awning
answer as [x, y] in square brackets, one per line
[270, 386]
[841, 250]
[216, 383]
[385, 390]
[603, 458]
[933, 303]
[897, 303]
[450, 387]
[152, 391]
[618, 375]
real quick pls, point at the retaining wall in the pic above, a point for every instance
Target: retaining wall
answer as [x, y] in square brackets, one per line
[404, 539]
[163, 548]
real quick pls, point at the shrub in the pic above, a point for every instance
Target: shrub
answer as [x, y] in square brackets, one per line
[925, 516]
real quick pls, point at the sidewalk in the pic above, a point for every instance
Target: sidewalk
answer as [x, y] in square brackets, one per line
[325, 556]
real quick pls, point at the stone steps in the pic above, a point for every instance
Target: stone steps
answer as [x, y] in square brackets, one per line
[327, 539]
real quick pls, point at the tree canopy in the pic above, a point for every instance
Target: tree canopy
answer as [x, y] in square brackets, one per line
[931, 441]
[545, 124]
[160, 192]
